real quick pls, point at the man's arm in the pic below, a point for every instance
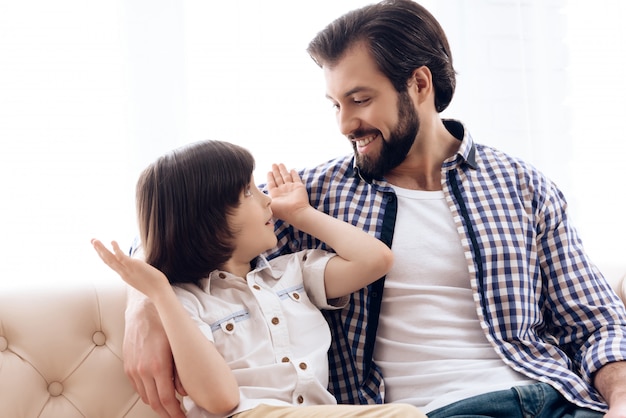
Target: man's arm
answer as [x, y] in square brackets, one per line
[148, 360]
[610, 381]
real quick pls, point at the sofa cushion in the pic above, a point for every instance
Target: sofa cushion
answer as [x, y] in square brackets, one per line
[60, 352]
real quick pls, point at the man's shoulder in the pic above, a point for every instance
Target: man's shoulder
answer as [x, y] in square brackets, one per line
[491, 156]
[339, 169]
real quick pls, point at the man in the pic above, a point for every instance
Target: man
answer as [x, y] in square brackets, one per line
[492, 307]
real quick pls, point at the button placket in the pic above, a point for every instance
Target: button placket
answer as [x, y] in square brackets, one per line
[271, 307]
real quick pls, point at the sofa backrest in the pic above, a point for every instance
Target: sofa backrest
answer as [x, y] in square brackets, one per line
[60, 352]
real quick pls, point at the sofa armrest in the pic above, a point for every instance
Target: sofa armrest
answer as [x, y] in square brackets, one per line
[60, 352]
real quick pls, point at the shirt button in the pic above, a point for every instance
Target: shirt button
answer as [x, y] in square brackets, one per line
[222, 276]
[300, 399]
[256, 287]
[296, 296]
[230, 327]
[285, 360]
[275, 321]
[303, 366]
[304, 257]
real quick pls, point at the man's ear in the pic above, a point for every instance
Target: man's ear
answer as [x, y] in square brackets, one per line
[421, 79]
[420, 86]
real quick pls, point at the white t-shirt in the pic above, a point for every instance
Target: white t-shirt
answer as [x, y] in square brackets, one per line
[430, 345]
[269, 329]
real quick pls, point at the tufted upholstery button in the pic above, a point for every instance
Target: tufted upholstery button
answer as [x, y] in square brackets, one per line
[55, 388]
[50, 365]
[99, 338]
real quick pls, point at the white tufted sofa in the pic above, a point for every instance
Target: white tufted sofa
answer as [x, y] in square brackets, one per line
[60, 350]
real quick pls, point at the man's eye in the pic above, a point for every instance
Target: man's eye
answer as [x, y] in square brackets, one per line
[359, 102]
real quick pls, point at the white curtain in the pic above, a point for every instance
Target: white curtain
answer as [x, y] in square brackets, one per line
[91, 92]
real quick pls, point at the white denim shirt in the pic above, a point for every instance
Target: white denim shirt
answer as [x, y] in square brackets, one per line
[269, 329]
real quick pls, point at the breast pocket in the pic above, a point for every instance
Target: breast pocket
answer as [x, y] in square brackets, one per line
[242, 340]
[228, 323]
[294, 293]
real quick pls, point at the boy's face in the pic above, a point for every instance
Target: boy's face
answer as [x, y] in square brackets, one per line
[252, 223]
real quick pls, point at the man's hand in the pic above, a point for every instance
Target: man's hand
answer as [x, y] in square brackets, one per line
[148, 358]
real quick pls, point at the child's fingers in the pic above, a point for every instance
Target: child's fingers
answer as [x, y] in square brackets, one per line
[295, 176]
[100, 249]
[280, 175]
[285, 174]
[271, 183]
[110, 259]
[117, 250]
[276, 173]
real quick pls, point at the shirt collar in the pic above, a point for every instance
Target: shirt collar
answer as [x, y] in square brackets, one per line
[260, 263]
[467, 149]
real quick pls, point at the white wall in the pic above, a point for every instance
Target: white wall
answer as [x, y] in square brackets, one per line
[91, 92]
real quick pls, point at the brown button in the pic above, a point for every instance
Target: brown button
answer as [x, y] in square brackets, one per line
[256, 287]
[302, 366]
[285, 359]
[296, 296]
[275, 321]
[222, 276]
[300, 399]
[230, 327]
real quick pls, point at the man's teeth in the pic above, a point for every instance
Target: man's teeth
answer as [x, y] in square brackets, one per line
[363, 142]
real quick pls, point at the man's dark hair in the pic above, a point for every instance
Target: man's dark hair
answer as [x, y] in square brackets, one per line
[401, 35]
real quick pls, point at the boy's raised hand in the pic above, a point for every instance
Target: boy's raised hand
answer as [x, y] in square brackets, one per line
[137, 273]
[287, 191]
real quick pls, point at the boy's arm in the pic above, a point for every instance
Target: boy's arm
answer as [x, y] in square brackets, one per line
[203, 372]
[362, 258]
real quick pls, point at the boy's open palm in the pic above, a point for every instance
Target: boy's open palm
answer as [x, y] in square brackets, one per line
[287, 191]
[137, 273]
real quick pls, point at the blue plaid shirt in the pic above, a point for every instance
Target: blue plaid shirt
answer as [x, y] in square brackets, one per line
[544, 306]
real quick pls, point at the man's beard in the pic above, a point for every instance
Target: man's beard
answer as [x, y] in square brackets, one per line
[395, 148]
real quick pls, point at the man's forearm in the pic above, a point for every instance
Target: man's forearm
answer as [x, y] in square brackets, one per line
[137, 302]
[610, 381]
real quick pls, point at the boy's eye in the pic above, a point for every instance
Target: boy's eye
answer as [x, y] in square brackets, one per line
[360, 101]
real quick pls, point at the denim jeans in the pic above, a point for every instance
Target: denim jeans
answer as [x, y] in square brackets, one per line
[538, 400]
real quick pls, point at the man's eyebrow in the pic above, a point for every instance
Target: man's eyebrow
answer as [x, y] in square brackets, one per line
[357, 89]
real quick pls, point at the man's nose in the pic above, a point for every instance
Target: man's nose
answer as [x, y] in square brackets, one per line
[348, 122]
